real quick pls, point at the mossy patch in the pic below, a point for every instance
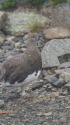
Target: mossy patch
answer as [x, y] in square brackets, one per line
[19, 22]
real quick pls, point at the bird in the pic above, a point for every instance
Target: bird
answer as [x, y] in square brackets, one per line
[22, 69]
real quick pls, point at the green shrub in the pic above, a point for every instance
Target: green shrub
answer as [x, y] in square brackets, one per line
[7, 4]
[55, 2]
[36, 2]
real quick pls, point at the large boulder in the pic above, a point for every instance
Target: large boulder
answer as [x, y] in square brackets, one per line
[61, 15]
[53, 50]
[3, 19]
[56, 32]
[20, 21]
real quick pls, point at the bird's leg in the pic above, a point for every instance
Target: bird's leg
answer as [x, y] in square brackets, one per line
[23, 93]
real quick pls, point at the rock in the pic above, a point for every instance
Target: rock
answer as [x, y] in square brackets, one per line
[63, 92]
[36, 85]
[53, 50]
[2, 57]
[59, 71]
[17, 44]
[59, 83]
[2, 40]
[19, 34]
[53, 95]
[20, 25]
[64, 65]
[56, 32]
[44, 73]
[61, 15]
[47, 11]
[48, 87]
[67, 86]
[65, 76]
[1, 103]
[10, 38]
[51, 78]
[10, 47]
[3, 19]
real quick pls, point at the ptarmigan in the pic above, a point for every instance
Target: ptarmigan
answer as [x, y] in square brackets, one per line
[22, 69]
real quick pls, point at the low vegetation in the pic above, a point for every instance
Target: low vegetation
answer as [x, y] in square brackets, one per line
[35, 26]
[55, 2]
[36, 2]
[8, 4]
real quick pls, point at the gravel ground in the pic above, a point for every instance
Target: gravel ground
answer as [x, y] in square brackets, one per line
[40, 108]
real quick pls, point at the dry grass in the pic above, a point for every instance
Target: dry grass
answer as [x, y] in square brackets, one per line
[55, 2]
[35, 26]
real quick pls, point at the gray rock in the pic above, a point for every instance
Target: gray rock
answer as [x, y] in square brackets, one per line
[10, 47]
[36, 85]
[44, 73]
[51, 78]
[61, 15]
[52, 50]
[67, 86]
[1, 103]
[1, 41]
[48, 86]
[64, 74]
[64, 65]
[65, 92]
[3, 19]
[59, 83]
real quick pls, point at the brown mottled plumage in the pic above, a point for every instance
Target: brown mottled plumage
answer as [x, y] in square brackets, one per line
[17, 68]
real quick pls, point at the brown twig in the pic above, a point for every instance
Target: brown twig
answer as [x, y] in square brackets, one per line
[6, 112]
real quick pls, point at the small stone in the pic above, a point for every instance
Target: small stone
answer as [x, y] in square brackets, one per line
[53, 95]
[44, 73]
[51, 78]
[1, 103]
[47, 114]
[67, 86]
[17, 44]
[1, 41]
[47, 86]
[11, 47]
[64, 92]
[10, 38]
[59, 83]
[37, 85]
